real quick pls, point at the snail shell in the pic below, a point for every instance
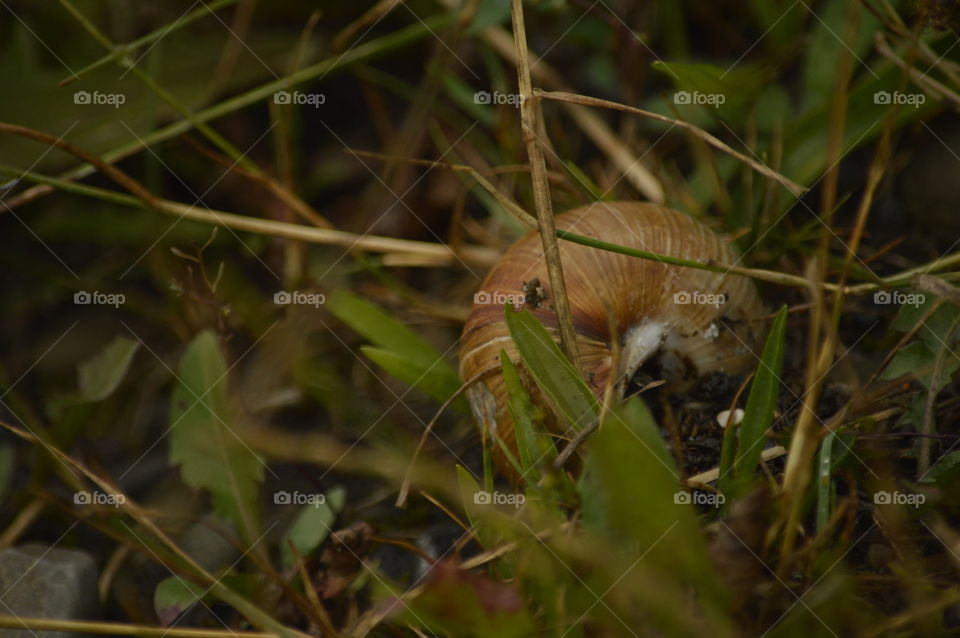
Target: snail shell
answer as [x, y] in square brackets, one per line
[685, 321]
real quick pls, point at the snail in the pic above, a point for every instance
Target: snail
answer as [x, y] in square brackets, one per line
[681, 322]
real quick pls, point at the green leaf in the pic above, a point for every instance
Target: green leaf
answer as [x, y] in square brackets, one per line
[173, 596]
[381, 329]
[947, 463]
[555, 375]
[203, 441]
[532, 450]
[829, 42]
[738, 85]
[781, 22]
[938, 330]
[100, 375]
[400, 351]
[469, 489]
[917, 359]
[761, 403]
[312, 526]
[437, 383]
[807, 139]
[632, 498]
[488, 13]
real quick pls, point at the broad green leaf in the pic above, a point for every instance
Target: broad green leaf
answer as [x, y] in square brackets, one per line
[916, 358]
[530, 446]
[488, 13]
[436, 382]
[203, 440]
[830, 41]
[100, 375]
[555, 375]
[781, 22]
[312, 525]
[400, 351]
[738, 85]
[938, 330]
[632, 498]
[948, 463]
[908, 314]
[807, 138]
[761, 403]
[173, 596]
[381, 329]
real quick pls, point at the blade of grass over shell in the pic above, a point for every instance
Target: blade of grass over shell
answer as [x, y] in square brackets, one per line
[761, 403]
[521, 410]
[763, 275]
[553, 372]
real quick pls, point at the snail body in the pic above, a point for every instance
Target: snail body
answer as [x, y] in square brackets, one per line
[684, 322]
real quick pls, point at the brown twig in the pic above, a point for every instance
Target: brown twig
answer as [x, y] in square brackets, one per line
[575, 98]
[531, 116]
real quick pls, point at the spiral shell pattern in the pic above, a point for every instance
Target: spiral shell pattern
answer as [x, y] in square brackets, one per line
[688, 321]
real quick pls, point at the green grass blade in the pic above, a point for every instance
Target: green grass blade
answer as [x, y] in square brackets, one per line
[397, 349]
[824, 482]
[521, 409]
[761, 403]
[555, 375]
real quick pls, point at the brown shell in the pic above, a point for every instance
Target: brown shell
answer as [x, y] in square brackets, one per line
[605, 289]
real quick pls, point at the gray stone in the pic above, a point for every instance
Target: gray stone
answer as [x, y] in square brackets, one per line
[37, 581]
